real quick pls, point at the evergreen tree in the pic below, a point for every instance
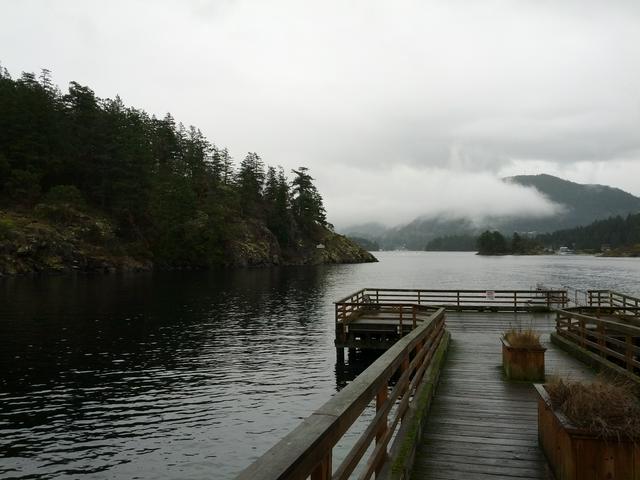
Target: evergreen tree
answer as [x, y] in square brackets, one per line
[307, 202]
[492, 243]
[169, 191]
[250, 179]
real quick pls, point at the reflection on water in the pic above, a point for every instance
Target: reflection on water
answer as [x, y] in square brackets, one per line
[192, 374]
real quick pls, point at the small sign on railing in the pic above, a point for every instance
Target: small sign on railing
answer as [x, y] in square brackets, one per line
[490, 295]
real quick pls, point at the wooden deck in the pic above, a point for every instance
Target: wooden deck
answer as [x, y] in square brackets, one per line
[480, 425]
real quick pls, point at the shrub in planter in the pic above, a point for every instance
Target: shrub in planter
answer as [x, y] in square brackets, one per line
[590, 431]
[522, 355]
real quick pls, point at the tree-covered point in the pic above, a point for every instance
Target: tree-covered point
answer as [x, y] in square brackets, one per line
[494, 243]
[612, 233]
[168, 190]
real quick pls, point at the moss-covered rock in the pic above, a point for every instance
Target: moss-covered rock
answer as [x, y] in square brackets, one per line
[74, 241]
[58, 238]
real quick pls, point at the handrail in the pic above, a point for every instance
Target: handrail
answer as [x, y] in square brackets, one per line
[307, 450]
[610, 298]
[354, 305]
[613, 340]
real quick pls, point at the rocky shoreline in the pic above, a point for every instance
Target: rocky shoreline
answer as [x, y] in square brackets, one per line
[30, 244]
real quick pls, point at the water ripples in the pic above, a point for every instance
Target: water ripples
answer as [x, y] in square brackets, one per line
[192, 374]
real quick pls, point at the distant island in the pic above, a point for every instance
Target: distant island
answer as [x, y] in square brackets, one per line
[89, 184]
[615, 236]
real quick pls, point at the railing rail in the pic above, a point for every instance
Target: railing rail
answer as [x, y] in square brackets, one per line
[625, 304]
[367, 299]
[307, 450]
[614, 340]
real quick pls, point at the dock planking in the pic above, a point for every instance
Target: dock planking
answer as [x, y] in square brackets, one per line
[480, 425]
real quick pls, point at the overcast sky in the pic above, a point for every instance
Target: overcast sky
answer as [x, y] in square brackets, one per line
[400, 108]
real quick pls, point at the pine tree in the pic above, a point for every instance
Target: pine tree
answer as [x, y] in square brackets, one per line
[250, 179]
[307, 203]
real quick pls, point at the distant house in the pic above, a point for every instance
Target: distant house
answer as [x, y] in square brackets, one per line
[320, 245]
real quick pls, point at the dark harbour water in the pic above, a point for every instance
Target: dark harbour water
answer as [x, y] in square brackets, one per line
[193, 375]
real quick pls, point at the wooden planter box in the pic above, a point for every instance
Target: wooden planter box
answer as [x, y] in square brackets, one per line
[523, 363]
[576, 454]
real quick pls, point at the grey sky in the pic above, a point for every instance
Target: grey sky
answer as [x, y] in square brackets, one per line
[399, 108]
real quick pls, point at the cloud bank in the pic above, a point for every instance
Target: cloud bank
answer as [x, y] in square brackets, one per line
[414, 97]
[405, 193]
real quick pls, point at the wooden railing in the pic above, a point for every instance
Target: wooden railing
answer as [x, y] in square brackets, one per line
[307, 450]
[404, 313]
[368, 299]
[615, 341]
[625, 304]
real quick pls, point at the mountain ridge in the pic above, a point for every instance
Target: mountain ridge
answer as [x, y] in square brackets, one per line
[581, 204]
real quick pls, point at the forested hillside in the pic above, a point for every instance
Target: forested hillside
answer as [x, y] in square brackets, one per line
[615, 233]
[89, 183]
[613, 236]
[578, 204]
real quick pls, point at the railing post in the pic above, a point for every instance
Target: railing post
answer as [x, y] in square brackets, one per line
[548, 299]
[381, 399]
[515, 301]
[413, 311]
[419, 301]
[323, 470]
[601, 340]
[401, 331]
[610, 298]
[345, 323]
[629, 352]
[458, 298]
[405, 367]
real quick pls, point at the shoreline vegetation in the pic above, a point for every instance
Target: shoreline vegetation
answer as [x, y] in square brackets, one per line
[89, 184]
[613, 237]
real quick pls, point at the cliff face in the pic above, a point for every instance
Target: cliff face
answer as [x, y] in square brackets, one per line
[29, 244]
[67, 240]
[255, 245]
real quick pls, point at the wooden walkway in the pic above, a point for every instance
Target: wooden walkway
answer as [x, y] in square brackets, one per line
[480, 425]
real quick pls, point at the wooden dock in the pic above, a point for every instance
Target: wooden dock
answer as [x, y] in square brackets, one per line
[442, 408]
[481, 426]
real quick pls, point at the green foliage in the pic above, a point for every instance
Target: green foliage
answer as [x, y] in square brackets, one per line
[65, 194]
[22, 186]
[492, 243]
[57, 213]
[7, 229]
[307, 203]
[169, 190]
[612, 233]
